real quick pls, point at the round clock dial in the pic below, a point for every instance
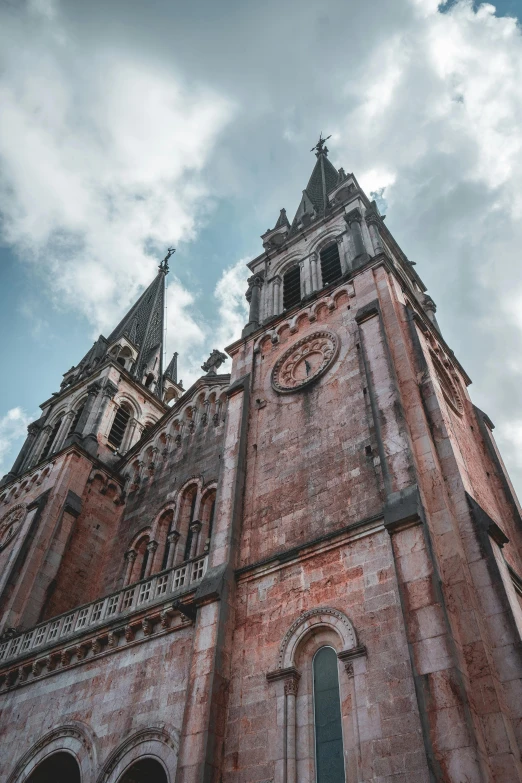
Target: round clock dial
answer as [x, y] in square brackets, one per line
[304, 361]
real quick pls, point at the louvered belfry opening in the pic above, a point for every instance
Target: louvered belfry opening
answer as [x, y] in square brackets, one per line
[292, 287]
[119, 425]
[76, 419]
[330, 264]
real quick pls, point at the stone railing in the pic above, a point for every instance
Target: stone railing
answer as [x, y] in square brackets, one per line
[114, 607]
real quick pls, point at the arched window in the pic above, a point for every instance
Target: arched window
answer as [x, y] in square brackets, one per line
[121, 360]
[119, 426]
[141, 559]
[330, 264]
[149, 380]
[61, 767]
[329, 757]
[51, 439]
[292, 287]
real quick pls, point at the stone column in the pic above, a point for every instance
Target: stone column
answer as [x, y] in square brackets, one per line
[130, 437]
[63, 431]
[253, 296]
[107, 394]
[151, 549]
[92, 392]
[40, 444]
[314, 272]
[291, 685]
[353, 220]
[306, 283]
[25, 452]
[372, 222]
[278, 304]
[195, 529]
[172, 539]
[130, 557]
[343, 252]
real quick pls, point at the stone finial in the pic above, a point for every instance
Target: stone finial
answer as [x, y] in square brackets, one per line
[214, 362]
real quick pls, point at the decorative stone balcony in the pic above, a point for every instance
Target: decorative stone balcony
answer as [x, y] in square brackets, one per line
[131, 614]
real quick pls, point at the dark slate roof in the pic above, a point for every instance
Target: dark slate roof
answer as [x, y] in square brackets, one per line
[172, 369]
[324, 178]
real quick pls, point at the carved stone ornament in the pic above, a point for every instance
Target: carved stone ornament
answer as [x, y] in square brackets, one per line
[305, 361]
[10, 525]
[291, 686]
[448, 380]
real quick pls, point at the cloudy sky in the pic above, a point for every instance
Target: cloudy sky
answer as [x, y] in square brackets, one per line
[129, 126]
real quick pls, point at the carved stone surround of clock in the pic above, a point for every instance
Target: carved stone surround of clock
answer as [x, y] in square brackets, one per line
[305, 361]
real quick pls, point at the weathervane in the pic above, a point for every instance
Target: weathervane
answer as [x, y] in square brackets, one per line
[320, 145]
[164, 266]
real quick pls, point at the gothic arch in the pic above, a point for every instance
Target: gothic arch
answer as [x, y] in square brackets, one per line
[326, 239]
[74, 738]
[131, 402]
[287, 263]
[311, 620]
[154, 743]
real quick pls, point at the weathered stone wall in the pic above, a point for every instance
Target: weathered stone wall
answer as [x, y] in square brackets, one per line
[141, 686]
[356, 577]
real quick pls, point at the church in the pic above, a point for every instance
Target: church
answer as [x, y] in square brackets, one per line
[308, 570]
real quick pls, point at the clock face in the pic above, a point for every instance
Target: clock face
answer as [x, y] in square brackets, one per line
[304, 361]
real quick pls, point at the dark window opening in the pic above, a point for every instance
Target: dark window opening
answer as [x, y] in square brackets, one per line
[121, 361]
[149, 379]
[51, 439]
[144, 771]
[327, 718]
[292, 287]
[330, 264]
[61, 767]
[119, 426]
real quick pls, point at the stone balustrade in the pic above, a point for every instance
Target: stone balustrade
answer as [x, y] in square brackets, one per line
[115, 607]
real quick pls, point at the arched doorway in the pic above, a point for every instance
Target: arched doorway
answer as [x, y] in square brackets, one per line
[59, 768]
[144, 771]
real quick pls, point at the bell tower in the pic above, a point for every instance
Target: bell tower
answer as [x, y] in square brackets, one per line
[113, 394]
[375, 499]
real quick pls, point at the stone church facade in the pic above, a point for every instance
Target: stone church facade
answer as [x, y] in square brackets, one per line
[307, 570]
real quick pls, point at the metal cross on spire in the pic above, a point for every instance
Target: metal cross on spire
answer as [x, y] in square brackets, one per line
[319, 147]
[164, 266]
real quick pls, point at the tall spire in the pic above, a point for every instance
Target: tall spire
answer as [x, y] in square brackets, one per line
[324, 178]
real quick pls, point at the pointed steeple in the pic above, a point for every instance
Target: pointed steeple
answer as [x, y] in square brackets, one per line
[324, 178]
[171, 373]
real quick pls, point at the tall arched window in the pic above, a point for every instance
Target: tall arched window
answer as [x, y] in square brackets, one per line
[330, 264]
[52, 438]
[329, 757]
[119, 425]
[292, 287]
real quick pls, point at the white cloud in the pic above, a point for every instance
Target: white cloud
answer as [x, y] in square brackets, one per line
[102, 154]
[232, 305]
[13, 429]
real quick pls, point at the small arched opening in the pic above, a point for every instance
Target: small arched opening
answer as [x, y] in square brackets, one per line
[61, 767]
